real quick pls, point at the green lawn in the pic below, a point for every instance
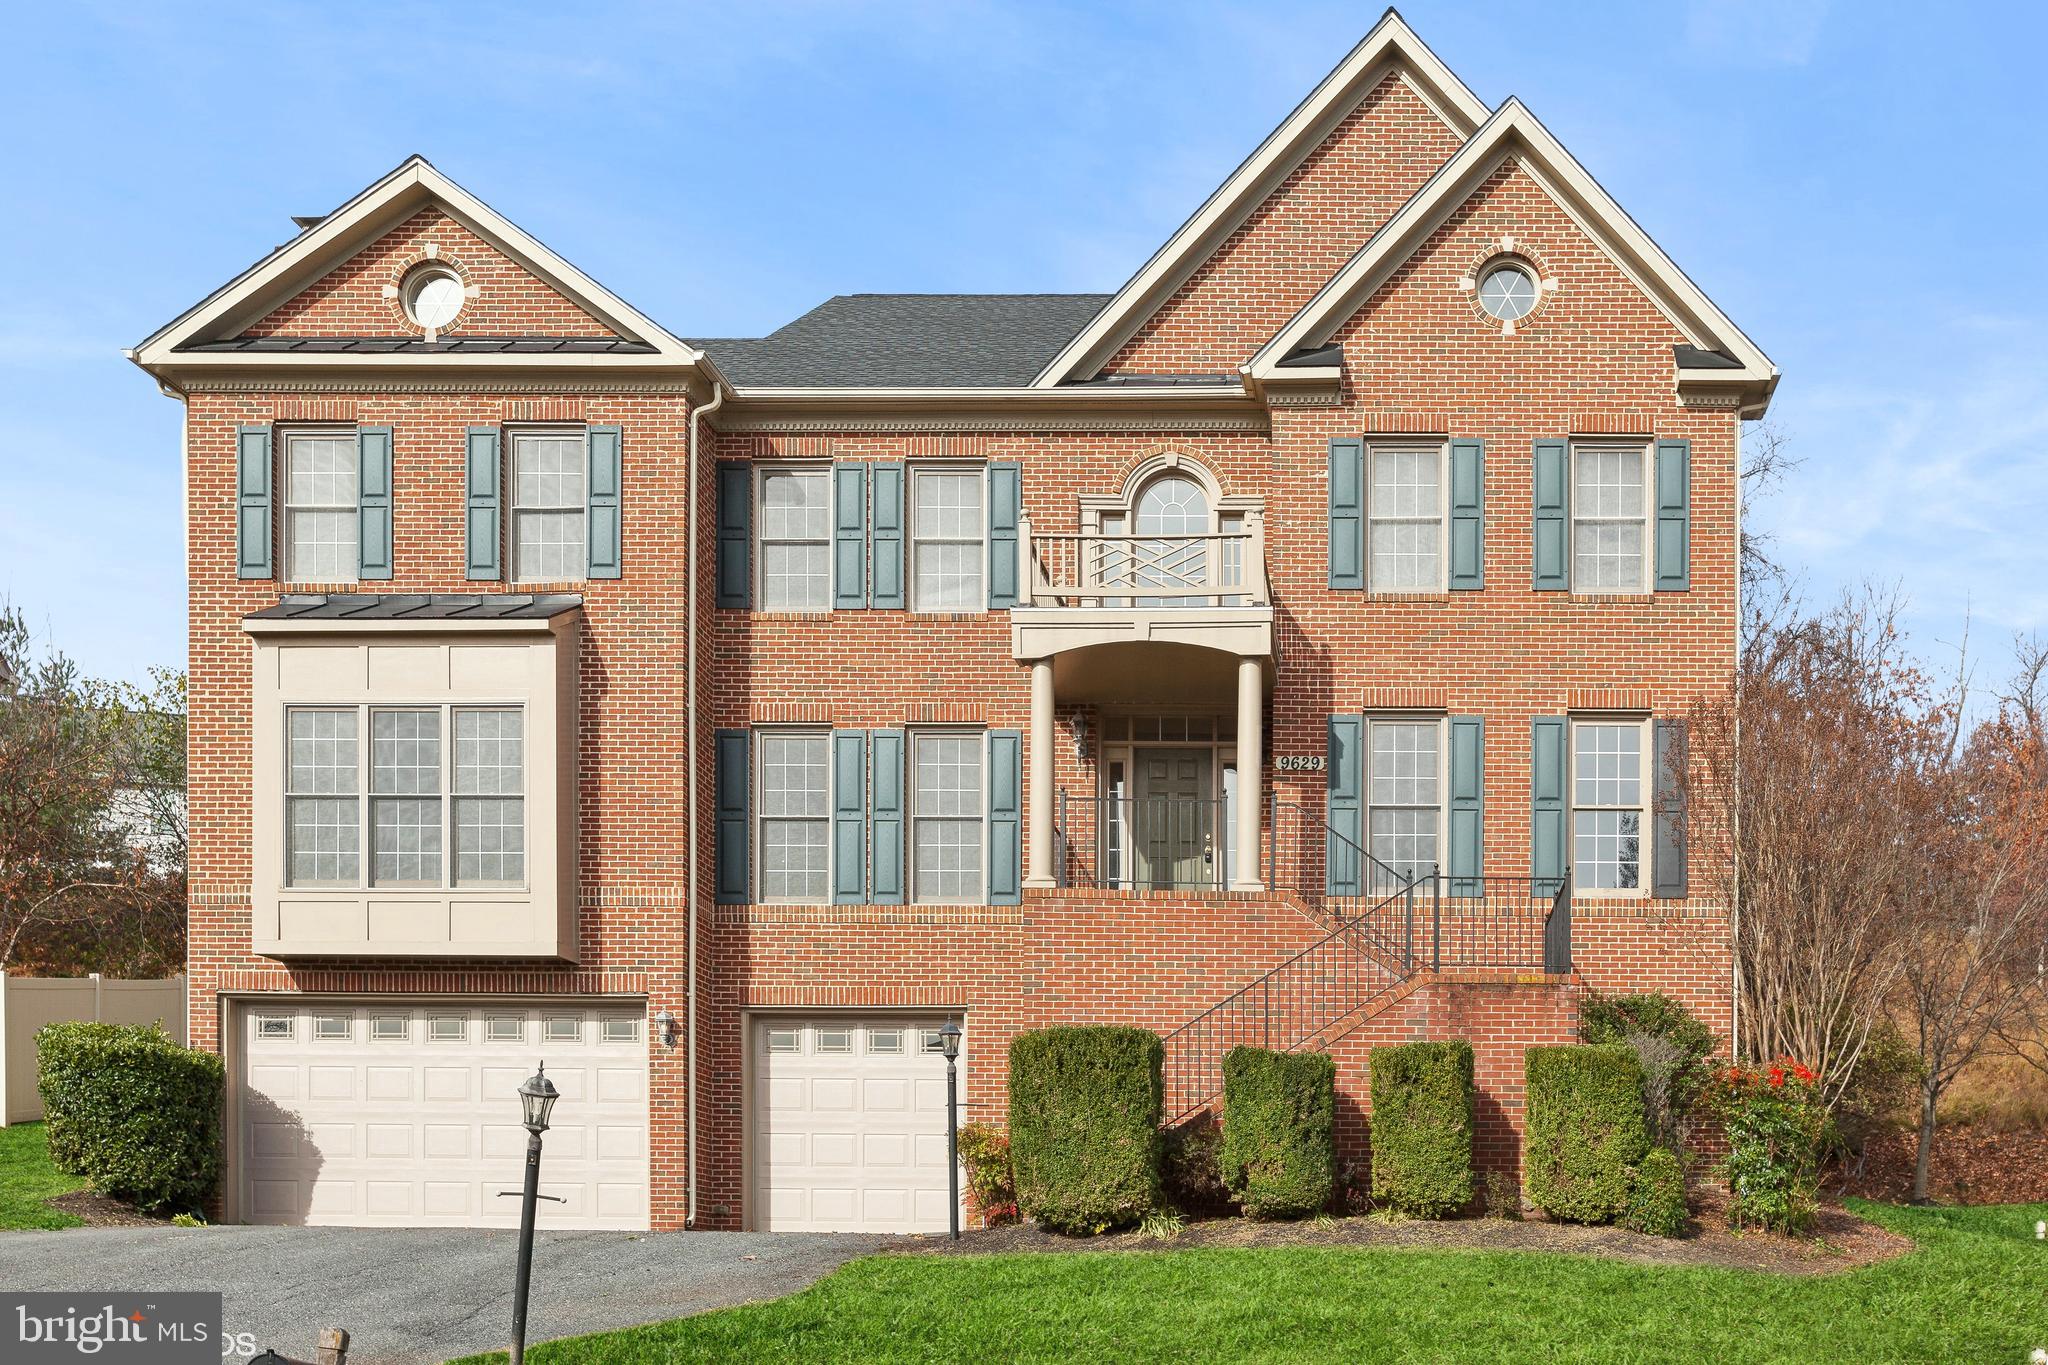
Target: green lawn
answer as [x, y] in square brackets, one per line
[1973, 1290]
[27, 1178]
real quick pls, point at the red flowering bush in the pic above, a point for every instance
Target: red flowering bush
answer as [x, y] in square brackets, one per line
[991, 1187]
[1774, 1121]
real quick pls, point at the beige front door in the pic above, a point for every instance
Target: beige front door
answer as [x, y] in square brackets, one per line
[1175, 822]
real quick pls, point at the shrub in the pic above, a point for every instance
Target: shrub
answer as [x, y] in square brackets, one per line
[1084, 1125]
[131, 1112]
[1586, 1131]
[1656, 1198]
[1671, 1045]
[1503, 1195]
[1422, 1127]
[1192, 1166]
[1882, 1093]
[1279, 1130]
[1774, 1121]
[991, 1187]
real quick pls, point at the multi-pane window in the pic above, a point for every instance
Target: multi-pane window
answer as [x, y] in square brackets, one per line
[323, 812]
[490, 803]
[549, 506]
[411, 798]
[796, 539]
[946, 529]
[1405, 794]
[321, 492]
[1607, 806]
[795, 838]
[1610, 518]
[1405, 512]
[946, 816]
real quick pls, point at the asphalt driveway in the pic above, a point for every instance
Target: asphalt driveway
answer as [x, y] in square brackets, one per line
[426, 1294]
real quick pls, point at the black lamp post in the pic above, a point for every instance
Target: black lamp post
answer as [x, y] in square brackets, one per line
[949, 1043]
[537, 1096]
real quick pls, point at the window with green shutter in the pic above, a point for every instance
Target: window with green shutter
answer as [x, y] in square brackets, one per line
[735, 521]
[1347, 513]
[373, 503]
[1343, 854]
[732, 799]
[604, 512]
[483, 482]
[1005, 817]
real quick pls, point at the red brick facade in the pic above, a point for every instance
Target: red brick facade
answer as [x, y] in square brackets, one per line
[1596, 357]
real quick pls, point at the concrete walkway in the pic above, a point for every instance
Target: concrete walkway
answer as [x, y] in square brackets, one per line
[427, 1294]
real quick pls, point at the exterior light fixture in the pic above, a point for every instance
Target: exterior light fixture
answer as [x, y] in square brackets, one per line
[537, 1096]
[665, 1028]
[949, 1044]
[1077, 726]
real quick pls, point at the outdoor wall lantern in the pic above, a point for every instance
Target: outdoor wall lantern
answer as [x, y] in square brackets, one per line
[665, 1028]
[1077, 726]
[949, 1043]
[537, 1096]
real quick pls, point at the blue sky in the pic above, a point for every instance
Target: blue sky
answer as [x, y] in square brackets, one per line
[1841, 180]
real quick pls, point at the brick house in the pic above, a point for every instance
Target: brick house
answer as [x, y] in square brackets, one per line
[1290, 648]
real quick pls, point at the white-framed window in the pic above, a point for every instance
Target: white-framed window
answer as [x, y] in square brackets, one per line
[549, 472]
[1404, 793]
[390, 1028]
[1609, 852]
[332, 1028]
[379, 777]
[447, 1028]
[1610, 510]
[504, 1028]
[947, 796]
[563, 1028]
[885, 1040]
[929, 1040]
[1405, 518]
[834, 1040]
[794, 553]
[274, 1027]
[793, 825]
[948, 537]
[322, 480]
[619, 1029]
[783, 1039]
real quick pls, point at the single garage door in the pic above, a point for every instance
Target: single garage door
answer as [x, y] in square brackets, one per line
[849, 1125]
[407, 1115]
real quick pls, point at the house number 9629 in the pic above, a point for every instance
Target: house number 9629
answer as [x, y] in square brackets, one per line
[1300, 763]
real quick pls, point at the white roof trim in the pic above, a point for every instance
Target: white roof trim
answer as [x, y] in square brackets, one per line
[1391, 48]
[308, 257]
[1514, 130]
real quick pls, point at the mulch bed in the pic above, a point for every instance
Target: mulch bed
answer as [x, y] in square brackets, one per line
[1840, 1241]
[98, 1211]
[1972, 1165]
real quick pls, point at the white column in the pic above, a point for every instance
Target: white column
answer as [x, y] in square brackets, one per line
[1251, 763]
[1038, 871]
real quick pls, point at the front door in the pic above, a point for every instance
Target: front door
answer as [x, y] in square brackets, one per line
[1173, 819]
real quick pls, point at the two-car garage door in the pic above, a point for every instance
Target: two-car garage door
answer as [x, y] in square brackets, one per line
[407, 1115]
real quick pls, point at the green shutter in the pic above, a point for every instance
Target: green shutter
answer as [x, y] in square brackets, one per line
[849, 537]
[483, 482]
[885, 816]
[1552, 489]
[1674, 516]
[735, 517]
[1343, 868]
[606, 472]
[849, 816]
[1005, 508]
[1547, 815]
[253, 471]
[373, 502]
[1468, 516]
[1006, 817]
[1466, 855]
[730, 778]
[886, 525]
[1669, 878]
[1347, 513]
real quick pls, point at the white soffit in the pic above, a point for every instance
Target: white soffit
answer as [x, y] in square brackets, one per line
[1391, 48]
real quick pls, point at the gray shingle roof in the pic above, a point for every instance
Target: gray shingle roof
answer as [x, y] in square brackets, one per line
[909, 341]
[401, 606]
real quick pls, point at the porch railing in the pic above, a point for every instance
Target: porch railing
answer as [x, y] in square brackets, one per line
[1091, 569]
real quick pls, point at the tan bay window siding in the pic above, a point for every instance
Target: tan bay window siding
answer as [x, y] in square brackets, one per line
[414, 787]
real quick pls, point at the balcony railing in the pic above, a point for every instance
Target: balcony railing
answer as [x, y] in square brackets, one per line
[1089, 569]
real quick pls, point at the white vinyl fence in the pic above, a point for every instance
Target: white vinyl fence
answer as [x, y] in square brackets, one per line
[29, 1002]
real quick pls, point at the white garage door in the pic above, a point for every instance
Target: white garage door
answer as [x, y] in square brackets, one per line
[849, 1125]
[408, 1115]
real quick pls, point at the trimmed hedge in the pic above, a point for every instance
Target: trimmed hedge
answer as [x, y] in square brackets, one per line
[1084, 1125]
[1586, 1130]
[134, 1114]
[1422, 1127]
[1656, 1199]
[1279, 1131]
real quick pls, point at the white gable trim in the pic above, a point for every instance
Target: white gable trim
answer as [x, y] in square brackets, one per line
[1390, 49]
[310, 256]
[1514, 131]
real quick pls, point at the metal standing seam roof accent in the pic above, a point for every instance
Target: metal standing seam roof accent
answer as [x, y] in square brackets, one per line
[421, 346]
[399, 606]
[1694, 358]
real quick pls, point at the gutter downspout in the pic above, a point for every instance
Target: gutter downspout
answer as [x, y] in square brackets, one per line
[690, 781]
